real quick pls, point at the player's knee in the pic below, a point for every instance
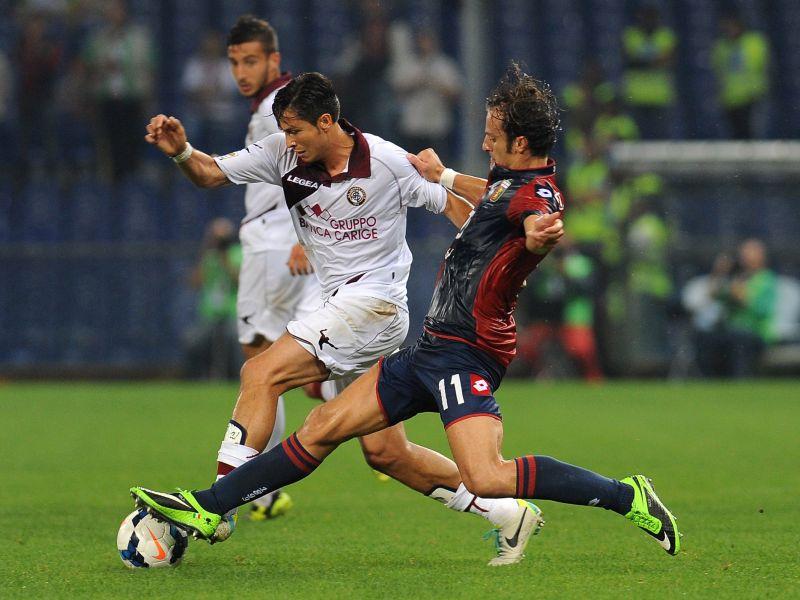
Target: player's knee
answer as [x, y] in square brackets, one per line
[256, 372]
[319, 428]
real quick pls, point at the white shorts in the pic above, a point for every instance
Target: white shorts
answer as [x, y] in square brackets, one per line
[270, 296]
[350, 332]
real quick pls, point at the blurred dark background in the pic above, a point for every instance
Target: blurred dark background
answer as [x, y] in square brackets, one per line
[677, 159]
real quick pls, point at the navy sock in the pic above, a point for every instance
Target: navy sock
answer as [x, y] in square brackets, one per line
[284, 464]
[545, 478]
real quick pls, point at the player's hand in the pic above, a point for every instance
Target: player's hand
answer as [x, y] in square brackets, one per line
[543, 232]
[428, 164]
[167, 134]
[298, 261]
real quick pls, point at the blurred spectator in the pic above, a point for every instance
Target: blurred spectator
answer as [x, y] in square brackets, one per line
[733, 312]
[649, 53]
[587, 187]
[210, 95]
[427, 83]
[212, 347]
[582, 99]
[38, 57]
[700, 297]
[120, 59]
[568, 290]
[363, 79]
[741, 62]
[751, 304]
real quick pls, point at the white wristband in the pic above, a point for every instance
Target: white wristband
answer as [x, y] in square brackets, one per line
[448, 178]
[183, 156]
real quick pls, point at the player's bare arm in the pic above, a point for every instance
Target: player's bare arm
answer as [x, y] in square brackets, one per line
[457, 209]
[168, 135]
[542, 232]
[430, 166]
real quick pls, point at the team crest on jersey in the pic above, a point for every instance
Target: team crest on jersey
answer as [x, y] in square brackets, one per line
[497, 189]
[356, 196]
[479, 386]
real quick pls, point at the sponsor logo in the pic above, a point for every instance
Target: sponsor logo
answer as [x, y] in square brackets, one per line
[229, 155]
[497, 189]
[161, 552]
[255, 493]
[512, 541]
[324, 339]
[544, 190]
[301, 181]
[594, 501]
[479, 385]
[356, 196]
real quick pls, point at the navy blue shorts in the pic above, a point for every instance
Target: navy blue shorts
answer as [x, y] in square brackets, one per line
[438, 375]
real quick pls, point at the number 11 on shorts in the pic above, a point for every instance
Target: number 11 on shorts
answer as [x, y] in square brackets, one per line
[455, 381]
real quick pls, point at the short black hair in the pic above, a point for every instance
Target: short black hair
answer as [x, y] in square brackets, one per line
[310, 95]
[252, 29]
[527, 107]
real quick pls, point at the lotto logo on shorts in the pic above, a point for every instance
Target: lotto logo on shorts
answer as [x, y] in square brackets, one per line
[479, 386]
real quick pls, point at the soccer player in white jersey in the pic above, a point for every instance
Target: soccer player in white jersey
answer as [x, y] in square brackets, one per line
[348, 194]
[276, 284]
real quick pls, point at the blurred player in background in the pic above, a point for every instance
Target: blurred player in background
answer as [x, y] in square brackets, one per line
[276, 281]
[468, 342]
[348, 194]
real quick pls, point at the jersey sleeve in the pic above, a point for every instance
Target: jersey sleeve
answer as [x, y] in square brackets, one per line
[258, 162]
[535, 198]
[416, 191]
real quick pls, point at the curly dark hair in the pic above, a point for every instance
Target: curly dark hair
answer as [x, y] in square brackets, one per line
[252, 29]
[528, 108]
[310, 95]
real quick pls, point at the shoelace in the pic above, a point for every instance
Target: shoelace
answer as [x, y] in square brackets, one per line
[494, 535]
[646, 521]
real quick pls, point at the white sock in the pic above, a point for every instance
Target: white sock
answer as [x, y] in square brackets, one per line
[495, 510]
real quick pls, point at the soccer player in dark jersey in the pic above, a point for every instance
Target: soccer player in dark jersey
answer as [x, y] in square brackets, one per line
[468, 341]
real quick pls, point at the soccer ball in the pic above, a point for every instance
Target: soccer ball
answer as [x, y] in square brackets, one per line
[144, 541]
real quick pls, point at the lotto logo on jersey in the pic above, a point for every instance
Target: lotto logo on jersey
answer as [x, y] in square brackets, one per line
[479, 385]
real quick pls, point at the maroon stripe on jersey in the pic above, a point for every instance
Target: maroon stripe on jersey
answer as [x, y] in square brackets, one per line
[496, 299]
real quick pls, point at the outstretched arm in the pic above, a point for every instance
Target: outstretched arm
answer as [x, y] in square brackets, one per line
[168, 135]
[431, 168]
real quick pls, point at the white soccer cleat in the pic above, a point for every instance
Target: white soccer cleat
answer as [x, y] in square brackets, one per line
[511, 538]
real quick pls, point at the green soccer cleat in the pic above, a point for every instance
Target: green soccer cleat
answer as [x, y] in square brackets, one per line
[185, 511]
[280, 505]
[649, 513]
[511, 538]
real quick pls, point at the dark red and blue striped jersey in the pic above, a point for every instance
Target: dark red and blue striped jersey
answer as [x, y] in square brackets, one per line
[485, 267]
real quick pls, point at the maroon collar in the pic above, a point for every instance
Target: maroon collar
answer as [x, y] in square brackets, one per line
[358, 166]
[281, 81]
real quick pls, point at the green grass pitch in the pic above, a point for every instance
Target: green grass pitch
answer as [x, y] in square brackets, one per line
[725, 458]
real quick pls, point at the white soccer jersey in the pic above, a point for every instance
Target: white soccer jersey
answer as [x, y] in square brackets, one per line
[353, 225]
[267, 224]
